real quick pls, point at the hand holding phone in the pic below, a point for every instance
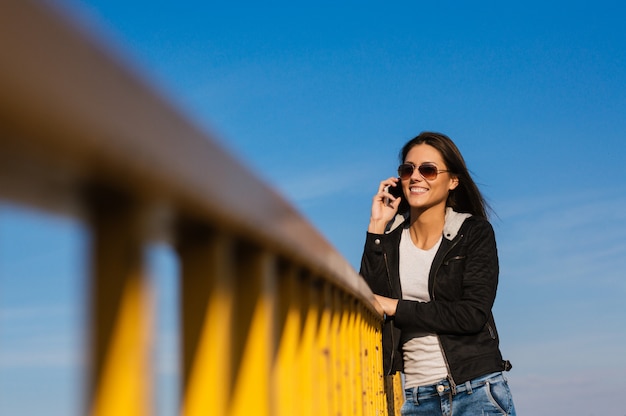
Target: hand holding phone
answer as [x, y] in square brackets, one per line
[385, 204]
[395, 191]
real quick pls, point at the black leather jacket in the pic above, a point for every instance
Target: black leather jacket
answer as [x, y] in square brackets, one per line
[462, 285]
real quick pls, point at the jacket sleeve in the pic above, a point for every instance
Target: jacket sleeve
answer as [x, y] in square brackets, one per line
[374, 271]
[373, 265]
[465, 312]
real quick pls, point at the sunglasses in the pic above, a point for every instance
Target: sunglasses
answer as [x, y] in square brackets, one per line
[427, 171]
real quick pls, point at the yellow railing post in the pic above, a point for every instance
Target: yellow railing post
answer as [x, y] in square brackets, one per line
[324, 352]
[120, 373]
[253, 331]
[336, 340]
[284, 395]
[206, 321]
[305, 369]
[358, 342]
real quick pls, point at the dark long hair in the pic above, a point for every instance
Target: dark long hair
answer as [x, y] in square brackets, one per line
[466, 197]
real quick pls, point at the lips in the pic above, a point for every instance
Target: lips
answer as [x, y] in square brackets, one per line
[417, 190]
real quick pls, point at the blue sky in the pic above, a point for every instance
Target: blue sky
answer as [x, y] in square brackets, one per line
[318, 98]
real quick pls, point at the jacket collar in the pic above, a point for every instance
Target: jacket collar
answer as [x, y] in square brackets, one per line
[453, 222]
[451, 227]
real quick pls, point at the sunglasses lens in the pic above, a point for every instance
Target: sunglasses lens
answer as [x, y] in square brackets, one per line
[405, 170]
[428, 172]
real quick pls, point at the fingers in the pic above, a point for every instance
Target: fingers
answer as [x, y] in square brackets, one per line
[384, 195]
[387, 182]
[389, 305]
[384, 206]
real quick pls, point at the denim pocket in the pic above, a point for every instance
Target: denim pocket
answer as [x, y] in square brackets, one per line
[499, 395]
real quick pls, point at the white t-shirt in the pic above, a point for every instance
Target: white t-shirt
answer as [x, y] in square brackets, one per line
[423, 359]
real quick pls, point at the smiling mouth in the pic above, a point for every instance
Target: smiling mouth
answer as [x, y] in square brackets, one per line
[418, 190]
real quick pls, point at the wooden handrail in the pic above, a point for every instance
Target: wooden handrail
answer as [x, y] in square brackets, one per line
[90, 119]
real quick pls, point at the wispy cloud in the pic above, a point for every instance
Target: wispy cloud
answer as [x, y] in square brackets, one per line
[47, 354]
[562, 370]
[326, 181]
[41, 337]
[546, 393]
[557, 237]
[562, 260]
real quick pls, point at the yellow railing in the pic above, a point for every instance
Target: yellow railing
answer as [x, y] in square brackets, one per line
[273, 320]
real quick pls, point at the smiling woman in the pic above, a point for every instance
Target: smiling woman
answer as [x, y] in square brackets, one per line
[433, 265]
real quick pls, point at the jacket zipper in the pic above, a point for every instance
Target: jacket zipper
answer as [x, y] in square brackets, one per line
[443, 352]
[388, 273]
[393, 342]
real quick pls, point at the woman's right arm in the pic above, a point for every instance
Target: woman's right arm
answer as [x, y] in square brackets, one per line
[384, 206]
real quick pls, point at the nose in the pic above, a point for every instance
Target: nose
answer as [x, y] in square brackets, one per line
[416, 176]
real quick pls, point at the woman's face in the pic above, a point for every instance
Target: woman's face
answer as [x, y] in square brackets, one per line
[421, 193]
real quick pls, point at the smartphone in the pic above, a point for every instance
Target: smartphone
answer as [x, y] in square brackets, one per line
[396, 191]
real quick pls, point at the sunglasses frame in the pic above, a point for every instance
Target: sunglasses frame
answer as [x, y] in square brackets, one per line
[419, 170]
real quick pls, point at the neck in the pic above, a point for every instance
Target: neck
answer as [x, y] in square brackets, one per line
[426, 226]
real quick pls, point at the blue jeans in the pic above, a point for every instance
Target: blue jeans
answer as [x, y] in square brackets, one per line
[485, 395]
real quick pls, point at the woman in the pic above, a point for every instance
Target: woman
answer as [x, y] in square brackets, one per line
[430, 257]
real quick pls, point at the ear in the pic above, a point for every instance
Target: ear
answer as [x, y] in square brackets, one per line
[454, 182]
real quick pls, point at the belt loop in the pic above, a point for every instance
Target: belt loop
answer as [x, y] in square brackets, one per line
[415, 394]
[468, 387]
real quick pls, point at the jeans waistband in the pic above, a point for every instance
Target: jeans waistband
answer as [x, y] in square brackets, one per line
[444, 387]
